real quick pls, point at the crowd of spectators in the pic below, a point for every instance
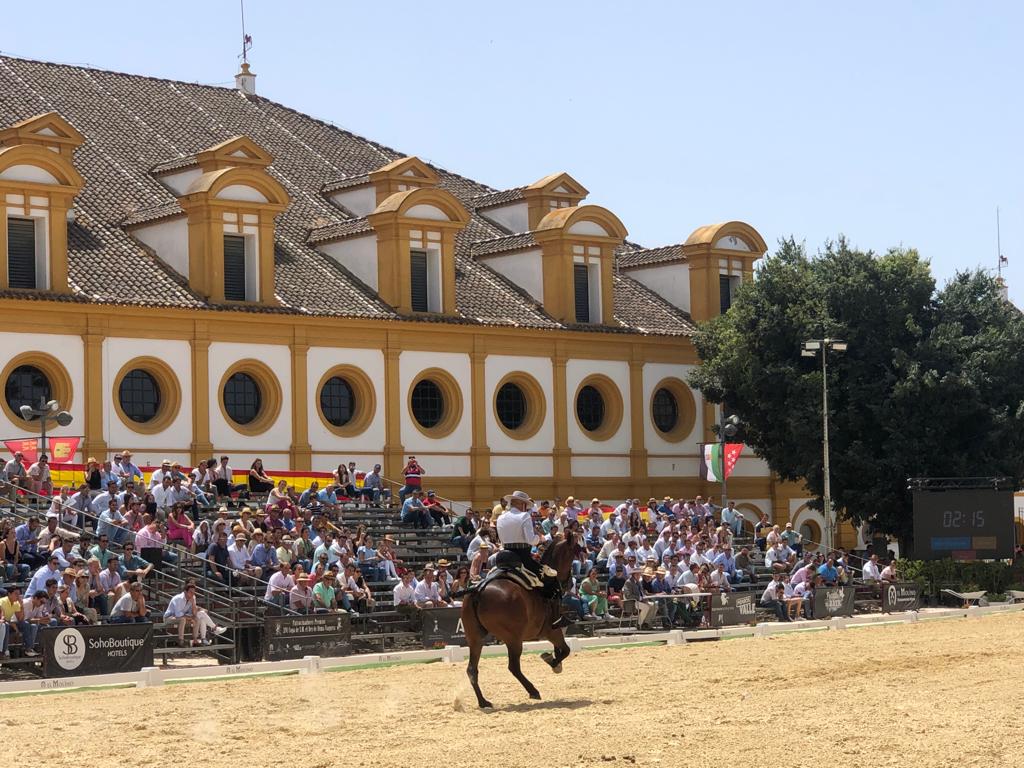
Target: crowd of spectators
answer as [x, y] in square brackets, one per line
[295, 550]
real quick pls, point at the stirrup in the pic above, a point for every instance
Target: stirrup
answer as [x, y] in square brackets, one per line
[561, 622]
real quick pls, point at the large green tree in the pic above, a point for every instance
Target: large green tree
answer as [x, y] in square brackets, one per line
[931, 385]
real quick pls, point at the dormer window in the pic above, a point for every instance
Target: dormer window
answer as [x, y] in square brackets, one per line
[415, 249]
[230, 201]
[38, 184]
[582, 239]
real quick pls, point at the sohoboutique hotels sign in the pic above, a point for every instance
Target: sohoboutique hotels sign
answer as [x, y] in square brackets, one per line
[96, 650]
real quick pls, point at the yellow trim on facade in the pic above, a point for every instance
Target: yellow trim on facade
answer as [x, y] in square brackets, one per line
[612, 398]
[270, 396]
[536, 405]
[167, 385]
[686, 405]
[363, 393]
[451, 394]
[61, 388]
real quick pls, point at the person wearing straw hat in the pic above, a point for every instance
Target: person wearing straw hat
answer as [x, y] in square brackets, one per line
[518, 535]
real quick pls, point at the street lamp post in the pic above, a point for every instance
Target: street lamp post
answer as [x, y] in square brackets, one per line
[46, 411]
[728, 428]
[810, 349]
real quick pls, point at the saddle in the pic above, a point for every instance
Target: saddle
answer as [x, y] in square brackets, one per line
[507, 566]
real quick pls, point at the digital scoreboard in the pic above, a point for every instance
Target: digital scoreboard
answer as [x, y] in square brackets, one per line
[963, 524]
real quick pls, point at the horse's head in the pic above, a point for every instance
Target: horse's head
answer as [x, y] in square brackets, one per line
[561, 554]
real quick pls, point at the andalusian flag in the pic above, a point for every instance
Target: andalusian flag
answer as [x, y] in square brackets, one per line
[711, 465]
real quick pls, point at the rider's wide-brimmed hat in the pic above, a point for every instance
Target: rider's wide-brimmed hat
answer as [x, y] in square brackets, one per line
[522, 496]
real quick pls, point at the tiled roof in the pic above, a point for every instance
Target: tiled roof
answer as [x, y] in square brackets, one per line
[642, 257]
[152, 213]
[351, 181]
[339, 230]
[500, 197]
[135, 126]
[504, 244]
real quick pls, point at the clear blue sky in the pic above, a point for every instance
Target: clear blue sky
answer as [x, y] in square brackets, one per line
[891, 122]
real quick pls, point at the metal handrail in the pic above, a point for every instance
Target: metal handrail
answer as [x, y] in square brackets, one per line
[180, 552]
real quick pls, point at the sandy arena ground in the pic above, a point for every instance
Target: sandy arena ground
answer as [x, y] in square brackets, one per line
[940, 693]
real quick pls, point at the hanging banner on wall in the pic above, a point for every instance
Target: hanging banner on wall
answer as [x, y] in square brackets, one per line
[61, 450]
[29, 448]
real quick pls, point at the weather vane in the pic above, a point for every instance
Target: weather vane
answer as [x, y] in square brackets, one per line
[246, 39]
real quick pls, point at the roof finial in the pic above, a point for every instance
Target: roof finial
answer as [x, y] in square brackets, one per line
[246, 39]
[245, 81]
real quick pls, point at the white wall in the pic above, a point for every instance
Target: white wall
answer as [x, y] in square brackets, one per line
[358, 200]
[179, 183]
[241, 192]
[496, 368]
[521, 466]
[514, 217]
[523, 268]
[410, 364]
[69, 350]
[670, 281]
[357, 254]
[223, 436]
[371, 362]
[595, 466]
[176, 354]
[673, 466]
[170, 241]
[28, 173]
[579, 440]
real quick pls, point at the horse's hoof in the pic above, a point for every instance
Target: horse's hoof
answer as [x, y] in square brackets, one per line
[557, 670]
[535, 695]
[486, 705]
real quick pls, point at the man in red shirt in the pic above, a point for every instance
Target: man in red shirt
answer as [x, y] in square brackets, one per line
[413, 473]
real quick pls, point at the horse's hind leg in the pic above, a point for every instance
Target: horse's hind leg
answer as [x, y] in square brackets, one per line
[475, 641]
[515, 653]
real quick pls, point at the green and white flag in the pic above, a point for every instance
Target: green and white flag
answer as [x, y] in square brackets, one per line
[712, 466]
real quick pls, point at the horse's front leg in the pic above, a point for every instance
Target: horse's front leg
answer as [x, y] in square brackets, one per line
[557, 639]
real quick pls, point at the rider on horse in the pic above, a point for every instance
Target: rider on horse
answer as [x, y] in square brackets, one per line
[517, 535]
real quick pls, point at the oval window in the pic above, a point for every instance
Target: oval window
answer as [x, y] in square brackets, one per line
[511, 405]
[337, 401]
[139, 396]
[590, 408]
[665, 410]
[242, 398]
[427, 403]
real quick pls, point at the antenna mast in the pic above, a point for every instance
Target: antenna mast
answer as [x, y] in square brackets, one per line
[246, 39]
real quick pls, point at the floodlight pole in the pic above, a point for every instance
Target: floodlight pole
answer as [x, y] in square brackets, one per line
[810, 349]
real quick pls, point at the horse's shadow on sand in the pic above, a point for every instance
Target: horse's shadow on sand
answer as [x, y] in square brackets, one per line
[526, 706]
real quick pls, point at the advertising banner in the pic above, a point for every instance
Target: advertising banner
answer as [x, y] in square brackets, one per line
[442, 626]
[96, 650]
[319, 634]
[833, 601]
[732, 608]
[901, 596]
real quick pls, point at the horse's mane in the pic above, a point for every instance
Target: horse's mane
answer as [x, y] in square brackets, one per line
[549, 552]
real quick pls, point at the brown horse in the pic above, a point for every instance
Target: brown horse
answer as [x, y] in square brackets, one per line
[513, 615]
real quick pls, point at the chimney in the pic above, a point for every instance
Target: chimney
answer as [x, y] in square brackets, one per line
[245, 81]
